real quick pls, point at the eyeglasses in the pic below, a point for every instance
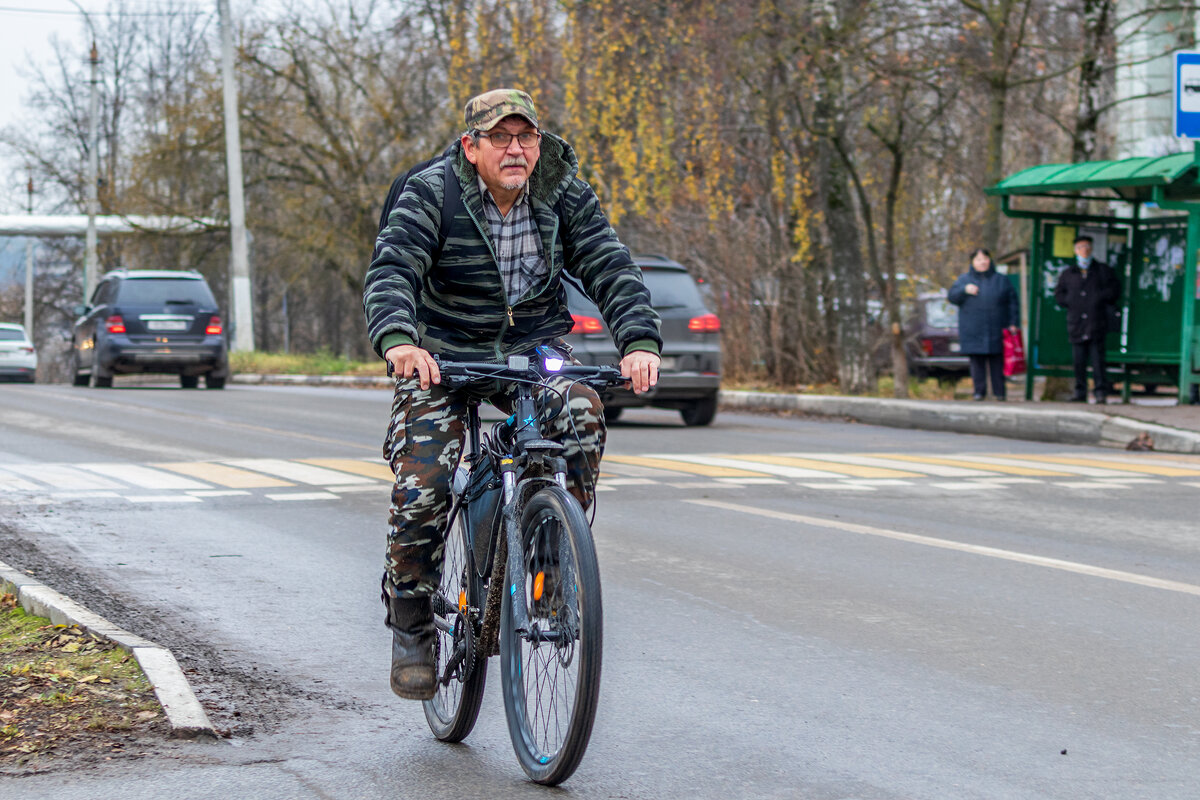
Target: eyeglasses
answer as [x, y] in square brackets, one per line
[501, 139]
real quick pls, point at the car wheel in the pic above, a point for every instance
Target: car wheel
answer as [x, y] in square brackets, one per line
[213, 382]
[77, 378]
[700, 412]
[189, 381]
[612, 414]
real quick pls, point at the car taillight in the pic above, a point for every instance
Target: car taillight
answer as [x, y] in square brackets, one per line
[705, 323]
[586, 324]
[25, 349]
[927, 346]
[214, 327]
[114, 324]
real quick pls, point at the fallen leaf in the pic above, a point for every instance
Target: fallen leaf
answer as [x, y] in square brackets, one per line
[88, 679]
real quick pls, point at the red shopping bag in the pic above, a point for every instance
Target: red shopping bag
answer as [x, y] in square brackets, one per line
[1014, 354]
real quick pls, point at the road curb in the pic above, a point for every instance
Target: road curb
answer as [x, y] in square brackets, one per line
[367, 381]
[1069, 427]
[184, 712]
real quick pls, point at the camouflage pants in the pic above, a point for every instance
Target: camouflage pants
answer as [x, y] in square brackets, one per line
[423, 445]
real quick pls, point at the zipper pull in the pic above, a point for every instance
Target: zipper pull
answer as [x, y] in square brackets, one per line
[510, 316]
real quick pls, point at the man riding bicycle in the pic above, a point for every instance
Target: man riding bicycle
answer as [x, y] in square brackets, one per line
[490, 287]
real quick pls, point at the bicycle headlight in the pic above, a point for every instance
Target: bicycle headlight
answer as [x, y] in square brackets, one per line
[553, 364]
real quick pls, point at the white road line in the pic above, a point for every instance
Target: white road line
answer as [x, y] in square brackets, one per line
[61, 476]
[300, 473]
[1003, 481]
[144, 477]
[703, 485]
[627, 481]
[83, 495]
[748, 481]
[220, 493]
[838, 485]
[878, 481]
[163, 498]
[303, 496]
[1130, 480]
[373, 487]
[946, 544]
[1091, 484]
[887, 463]
[965, 486]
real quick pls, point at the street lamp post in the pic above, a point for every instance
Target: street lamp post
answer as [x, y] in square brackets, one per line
[29, 269]
[239, 262]
[93, 177]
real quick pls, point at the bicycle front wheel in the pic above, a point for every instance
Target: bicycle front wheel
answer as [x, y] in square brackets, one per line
[551, 672]
[461, 668]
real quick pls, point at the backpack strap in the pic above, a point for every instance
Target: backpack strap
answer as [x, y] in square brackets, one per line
[451, 200]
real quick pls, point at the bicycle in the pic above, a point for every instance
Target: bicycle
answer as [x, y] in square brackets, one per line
[520, 577]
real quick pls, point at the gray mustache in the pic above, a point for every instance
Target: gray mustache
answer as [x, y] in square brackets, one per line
[513, 162]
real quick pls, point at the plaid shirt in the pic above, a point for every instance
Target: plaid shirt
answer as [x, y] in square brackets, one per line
[517, 243]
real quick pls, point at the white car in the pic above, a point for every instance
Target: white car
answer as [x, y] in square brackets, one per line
[18, 358]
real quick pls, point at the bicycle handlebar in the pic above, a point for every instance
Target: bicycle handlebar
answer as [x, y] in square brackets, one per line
[462, 373]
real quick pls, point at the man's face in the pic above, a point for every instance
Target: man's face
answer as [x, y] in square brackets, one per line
[506, 168]
[1083, 250]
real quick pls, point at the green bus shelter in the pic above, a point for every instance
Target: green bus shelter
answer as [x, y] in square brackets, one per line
[1148, 231]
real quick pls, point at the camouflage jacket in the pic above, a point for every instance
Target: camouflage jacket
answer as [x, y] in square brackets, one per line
[457, 307]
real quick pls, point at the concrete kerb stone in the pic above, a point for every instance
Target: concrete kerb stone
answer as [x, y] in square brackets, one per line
[1068, 427]
[184, 713]
[368, 381]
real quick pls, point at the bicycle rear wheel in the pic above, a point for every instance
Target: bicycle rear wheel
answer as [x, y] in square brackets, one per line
[551, 674]
[453, 710]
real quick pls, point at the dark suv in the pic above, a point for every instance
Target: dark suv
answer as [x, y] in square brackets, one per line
[150, 321]
[691, 360]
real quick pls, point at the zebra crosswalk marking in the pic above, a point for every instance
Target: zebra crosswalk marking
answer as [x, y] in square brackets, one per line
[144, 477]
[1024, 460]
[353, 466]
[853, 470]
[676, 465]
[61, 476]
[224, 475]
[963, 462]
[763, 463]
[1124, 466]
[295, 471]
[11, 483]
[887, 463]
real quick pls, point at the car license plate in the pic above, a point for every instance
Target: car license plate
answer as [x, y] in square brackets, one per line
[955, 347]
[668, 363]
[166, 325]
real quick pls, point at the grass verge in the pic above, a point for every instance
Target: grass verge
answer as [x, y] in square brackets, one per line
[321, 363]
[65, 692]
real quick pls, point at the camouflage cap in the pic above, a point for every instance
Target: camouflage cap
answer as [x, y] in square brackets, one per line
[485, 110]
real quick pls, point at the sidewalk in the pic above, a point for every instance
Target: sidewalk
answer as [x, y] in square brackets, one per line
[1172, 428]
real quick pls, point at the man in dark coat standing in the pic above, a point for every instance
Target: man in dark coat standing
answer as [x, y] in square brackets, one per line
[1087, 290]
[988, 305]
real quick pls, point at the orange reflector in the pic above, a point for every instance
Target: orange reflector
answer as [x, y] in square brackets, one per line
[462, 601]
[539, 585]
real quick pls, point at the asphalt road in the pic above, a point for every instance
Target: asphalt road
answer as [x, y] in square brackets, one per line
[948, 617]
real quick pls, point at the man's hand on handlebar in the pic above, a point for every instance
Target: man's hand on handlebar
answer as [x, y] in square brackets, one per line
[641, 367]
[408, 358]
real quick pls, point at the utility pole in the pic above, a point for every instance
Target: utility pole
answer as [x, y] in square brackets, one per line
[93, 202]
[239, 262]
[29, 269]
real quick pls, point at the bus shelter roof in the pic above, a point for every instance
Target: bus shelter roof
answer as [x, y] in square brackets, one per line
[1130, 179]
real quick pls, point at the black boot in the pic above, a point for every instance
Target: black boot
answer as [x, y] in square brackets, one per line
[414, 670]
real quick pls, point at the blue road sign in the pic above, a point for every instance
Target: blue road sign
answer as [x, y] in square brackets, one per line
[1187, 94]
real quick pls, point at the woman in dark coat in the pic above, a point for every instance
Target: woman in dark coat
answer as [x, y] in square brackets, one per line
[987, 305]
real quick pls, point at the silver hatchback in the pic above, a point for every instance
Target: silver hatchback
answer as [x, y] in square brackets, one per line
[18, 356]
